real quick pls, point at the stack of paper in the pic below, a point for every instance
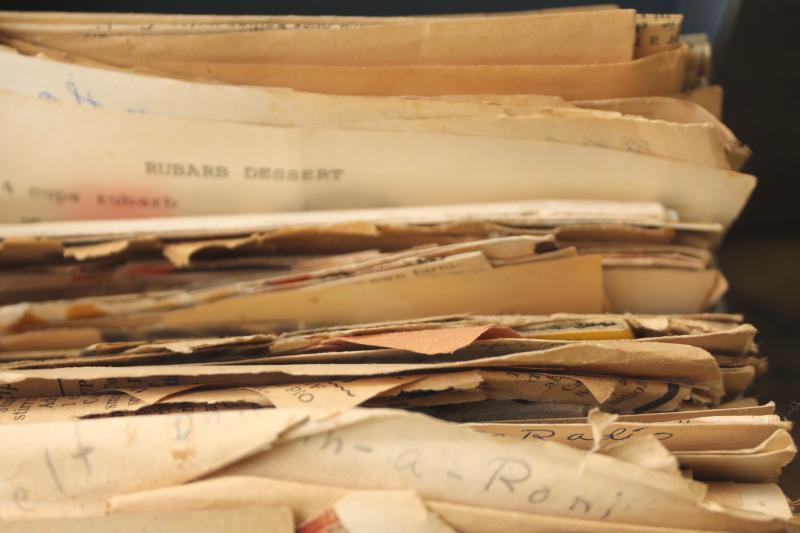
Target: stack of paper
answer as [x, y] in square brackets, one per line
[113, 116]
[369, 276]
[551, 255]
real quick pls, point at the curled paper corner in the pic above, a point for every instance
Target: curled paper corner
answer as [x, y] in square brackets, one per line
[645, 451]
[599, 421]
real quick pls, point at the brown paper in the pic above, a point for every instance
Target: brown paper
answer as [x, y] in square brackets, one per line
[443, 265]
[656, 75]
[416, 294]
[594, 37]
[664, 362]
[431, 341]
[55, 339]
[152, 23]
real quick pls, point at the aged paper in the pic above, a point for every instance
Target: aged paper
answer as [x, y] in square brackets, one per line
[369, 511]
[38, 76]
[112, 402]
[690, 108]
[595, 37]
[656, 32]
[763, 497]
[656, 75]
[565, 282]
[417, 293]
[757, 464]
[361, 450]
[662, 290]
[659, 362]
[158, 23]
[126, 90]
[49, 482]
[695, 143]
[175, 359]
[178, 166]
[427, 341]
[45, 241]
[429, 475]
[308, 500]
[675, 436]
[63, 338]
[241, 520]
